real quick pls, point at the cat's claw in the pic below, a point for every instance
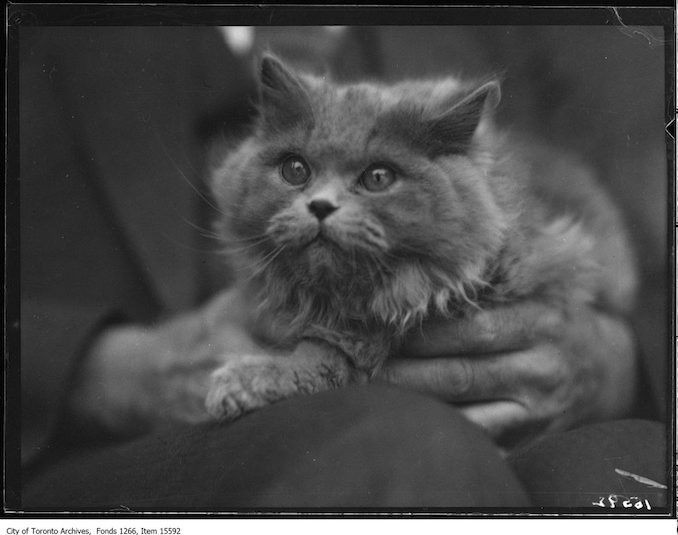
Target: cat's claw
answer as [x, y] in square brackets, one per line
[222, 402]
[229, 396]
[239, 388]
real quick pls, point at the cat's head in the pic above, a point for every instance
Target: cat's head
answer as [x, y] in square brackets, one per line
[365, 194]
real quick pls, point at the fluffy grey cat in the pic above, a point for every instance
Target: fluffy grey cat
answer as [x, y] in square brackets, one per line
[357, 211]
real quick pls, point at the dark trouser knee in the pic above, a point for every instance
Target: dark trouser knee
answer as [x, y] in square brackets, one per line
[352, 448]
[616, 461]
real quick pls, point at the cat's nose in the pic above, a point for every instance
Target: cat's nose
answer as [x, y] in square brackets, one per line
[321, 208]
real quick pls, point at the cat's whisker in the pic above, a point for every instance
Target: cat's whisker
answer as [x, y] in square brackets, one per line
[208, 200]
[210, 235]
[187, 246]
[271, 257]
[232, 249]
[248, 264]
[264, 259]
[239, 247]
[188, 181]
[249, 239]
[206, 233]
[377, 258]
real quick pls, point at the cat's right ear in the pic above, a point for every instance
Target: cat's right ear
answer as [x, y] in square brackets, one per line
[453, 130]
[284, 100]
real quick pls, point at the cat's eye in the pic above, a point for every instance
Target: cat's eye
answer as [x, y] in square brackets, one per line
[295, 170]
[377, 178]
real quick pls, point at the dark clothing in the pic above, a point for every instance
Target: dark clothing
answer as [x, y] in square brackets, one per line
[582, 466]
[357, 448]
[111, 168]
[360, 448]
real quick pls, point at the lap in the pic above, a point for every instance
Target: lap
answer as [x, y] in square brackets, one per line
[360, 447]
[352, 448]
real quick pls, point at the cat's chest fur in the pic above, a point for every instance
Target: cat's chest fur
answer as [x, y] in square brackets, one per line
[366, 343]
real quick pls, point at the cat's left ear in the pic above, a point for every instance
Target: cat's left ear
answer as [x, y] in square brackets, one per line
[452, 130]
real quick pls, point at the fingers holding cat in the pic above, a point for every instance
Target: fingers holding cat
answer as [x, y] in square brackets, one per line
[499, 392]
[499, 329]
[523, 366]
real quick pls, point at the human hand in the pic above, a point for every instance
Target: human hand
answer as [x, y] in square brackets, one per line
[136, 377]
[523, 369]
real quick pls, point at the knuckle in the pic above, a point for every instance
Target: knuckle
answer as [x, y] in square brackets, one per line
[551, 323]
[463, 380]
[550, 370]
[486, 328]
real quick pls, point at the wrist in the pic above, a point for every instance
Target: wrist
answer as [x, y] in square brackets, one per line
[621, 373]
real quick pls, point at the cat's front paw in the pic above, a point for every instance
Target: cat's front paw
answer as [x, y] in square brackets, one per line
[246, 385]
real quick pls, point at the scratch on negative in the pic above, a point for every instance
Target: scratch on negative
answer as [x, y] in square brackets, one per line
[640, 479]
[632, 31]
